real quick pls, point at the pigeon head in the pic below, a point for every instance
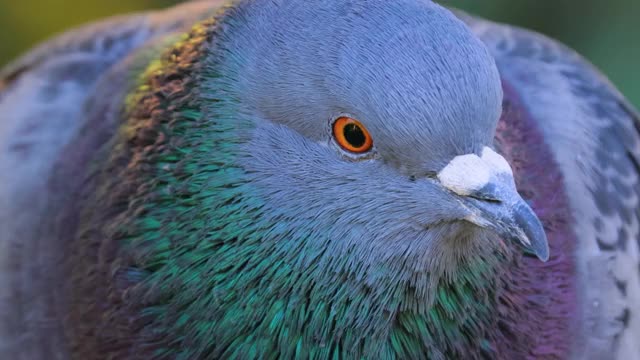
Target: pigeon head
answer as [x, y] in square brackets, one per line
[374, 123]
[332, 184]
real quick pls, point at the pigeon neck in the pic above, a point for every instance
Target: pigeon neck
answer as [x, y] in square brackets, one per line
[541, 301]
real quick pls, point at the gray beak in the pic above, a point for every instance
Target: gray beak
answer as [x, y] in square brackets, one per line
[485, 185]
[506, 213]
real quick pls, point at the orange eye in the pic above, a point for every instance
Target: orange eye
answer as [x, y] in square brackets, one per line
[351, 135]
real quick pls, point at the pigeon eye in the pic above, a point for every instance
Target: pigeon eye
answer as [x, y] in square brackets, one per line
[351, 135]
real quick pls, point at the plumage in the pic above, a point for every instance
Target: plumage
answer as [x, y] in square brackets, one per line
[171, 190]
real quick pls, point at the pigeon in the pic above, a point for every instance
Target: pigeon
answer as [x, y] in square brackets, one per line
[347, 179]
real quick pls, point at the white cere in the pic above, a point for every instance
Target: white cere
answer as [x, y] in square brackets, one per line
[496, 161]
[466, 174]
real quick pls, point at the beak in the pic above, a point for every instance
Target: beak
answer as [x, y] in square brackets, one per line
[486, 186]
[507, 214]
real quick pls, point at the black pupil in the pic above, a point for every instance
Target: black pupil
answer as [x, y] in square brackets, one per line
[354, 135]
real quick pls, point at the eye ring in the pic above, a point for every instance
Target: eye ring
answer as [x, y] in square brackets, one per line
[352, 135]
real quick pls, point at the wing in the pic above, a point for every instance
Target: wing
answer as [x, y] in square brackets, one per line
[43, 101]
[594, 136]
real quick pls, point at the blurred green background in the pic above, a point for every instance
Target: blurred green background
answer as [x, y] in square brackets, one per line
[606, 32]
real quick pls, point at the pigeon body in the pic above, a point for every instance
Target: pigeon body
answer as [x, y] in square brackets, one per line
[174, 187]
